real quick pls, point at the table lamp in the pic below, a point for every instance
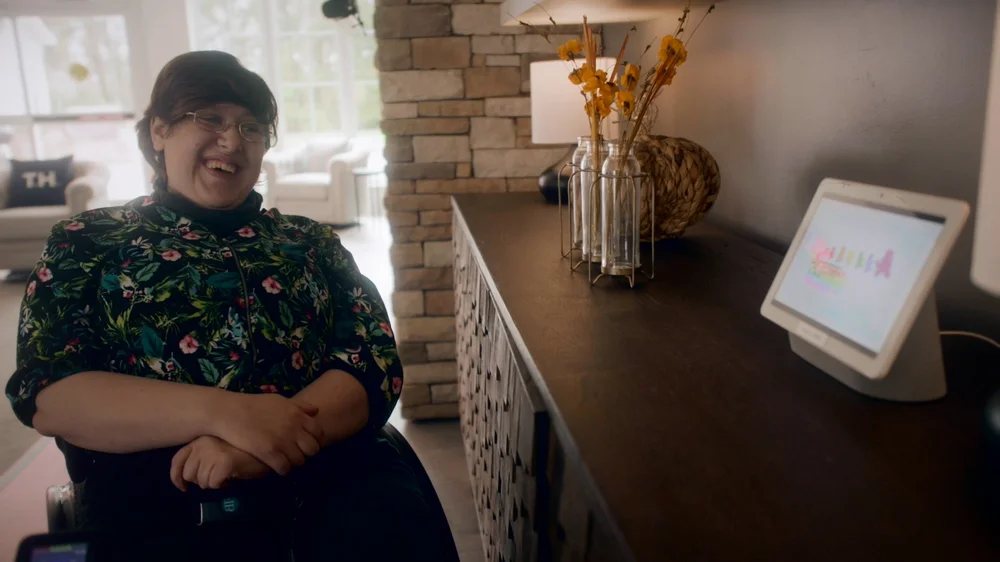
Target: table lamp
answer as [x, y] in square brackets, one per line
[557, 116]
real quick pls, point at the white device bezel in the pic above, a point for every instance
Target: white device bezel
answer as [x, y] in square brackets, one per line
[954, 212]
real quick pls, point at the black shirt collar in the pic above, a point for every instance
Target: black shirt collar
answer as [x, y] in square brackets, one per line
[219, 222]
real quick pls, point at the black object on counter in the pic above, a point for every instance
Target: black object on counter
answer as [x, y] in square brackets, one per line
[550, 183]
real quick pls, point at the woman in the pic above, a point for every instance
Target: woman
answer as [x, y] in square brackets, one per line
[257, 350]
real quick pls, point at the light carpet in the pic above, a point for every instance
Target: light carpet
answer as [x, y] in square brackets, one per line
[15, 438]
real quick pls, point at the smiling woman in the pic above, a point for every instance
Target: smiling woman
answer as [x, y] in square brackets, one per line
[190, 340]
[208, 109]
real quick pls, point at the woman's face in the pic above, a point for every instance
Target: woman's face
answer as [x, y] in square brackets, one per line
[212, 170]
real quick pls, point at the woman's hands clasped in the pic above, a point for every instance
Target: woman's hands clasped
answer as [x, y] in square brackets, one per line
[253, 435]
[280, 432]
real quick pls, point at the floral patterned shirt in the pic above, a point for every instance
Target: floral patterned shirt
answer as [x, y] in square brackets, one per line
[142, 290]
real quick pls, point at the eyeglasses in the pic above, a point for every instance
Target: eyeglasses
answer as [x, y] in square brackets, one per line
[213, 122]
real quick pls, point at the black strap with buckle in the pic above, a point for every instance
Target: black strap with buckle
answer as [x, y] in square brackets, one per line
[244, 508]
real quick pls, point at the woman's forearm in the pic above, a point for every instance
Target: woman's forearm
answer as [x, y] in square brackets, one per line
[115, 413]
[342, 403]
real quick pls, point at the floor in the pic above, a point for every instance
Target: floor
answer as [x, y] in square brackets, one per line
[24, 480]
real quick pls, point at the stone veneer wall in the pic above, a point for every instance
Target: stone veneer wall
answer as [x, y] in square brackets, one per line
[457, 118]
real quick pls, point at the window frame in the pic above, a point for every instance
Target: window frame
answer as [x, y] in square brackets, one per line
[347, 97]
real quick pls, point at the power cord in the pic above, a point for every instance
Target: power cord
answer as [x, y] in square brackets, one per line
[988, 340]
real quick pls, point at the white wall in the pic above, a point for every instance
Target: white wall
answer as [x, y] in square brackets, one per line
[786, 92]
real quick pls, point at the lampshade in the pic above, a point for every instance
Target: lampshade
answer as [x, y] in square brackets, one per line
[986, 248]
[557, 115]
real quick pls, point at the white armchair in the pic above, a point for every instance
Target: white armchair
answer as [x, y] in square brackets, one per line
[24, 230]
[316, 181]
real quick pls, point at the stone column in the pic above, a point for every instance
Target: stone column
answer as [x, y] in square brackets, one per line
[456, 113]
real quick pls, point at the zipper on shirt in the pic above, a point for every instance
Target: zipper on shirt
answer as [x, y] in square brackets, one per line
[246, 300]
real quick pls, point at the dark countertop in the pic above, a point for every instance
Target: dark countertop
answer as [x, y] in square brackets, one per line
[706, 437]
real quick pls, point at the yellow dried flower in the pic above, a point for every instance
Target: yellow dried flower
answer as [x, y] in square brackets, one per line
[672, 51]
[570, 48]
[630, 78]
[574, 77]
[607, 90]
[665, 76]
[604, 104]
[626, 101]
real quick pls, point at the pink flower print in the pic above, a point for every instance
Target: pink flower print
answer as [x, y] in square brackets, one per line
[147, 201]
[241, 303]
[31, 288]
[271, 286]
[397, 385]
[227, 254]
[126, 263]
[386, 328]
[75, 225]
[127, 293]
[64, 245]
[189, 345]
[268, 389]
[131, 360]
[297, 360]
[44, 275]
[171, 255]
[170, 366]
[192, 236]
[184, 229]
[356, 309]
[246, 232]
[233, 356]
[355, 358]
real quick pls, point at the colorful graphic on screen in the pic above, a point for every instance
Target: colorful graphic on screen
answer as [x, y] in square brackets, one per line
[855, 268]
[830, 265]
[74, 552]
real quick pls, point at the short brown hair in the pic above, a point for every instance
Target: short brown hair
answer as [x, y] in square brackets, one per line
[198, 79]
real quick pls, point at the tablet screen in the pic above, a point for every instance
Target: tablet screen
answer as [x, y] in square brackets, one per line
[72, 552]
[855, 267]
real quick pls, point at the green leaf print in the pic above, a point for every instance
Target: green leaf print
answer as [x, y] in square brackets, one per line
[286, 314]
[146, 273]
[110, 282]
[227, 280]
[208, 369]
[152, 345]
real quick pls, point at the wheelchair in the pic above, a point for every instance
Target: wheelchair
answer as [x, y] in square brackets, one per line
[60, 503]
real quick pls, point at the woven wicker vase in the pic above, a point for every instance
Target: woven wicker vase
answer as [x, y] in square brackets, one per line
[686, 179]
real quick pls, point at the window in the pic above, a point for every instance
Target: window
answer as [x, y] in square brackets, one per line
[68, 91]
[321, 71]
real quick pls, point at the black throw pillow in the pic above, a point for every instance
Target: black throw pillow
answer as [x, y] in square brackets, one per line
[34, 183]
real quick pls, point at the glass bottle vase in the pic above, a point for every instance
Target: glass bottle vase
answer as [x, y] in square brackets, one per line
[621, 190]
[590, 191]
[575, 195]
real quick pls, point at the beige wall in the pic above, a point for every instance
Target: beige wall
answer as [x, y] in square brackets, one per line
[787, 92]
